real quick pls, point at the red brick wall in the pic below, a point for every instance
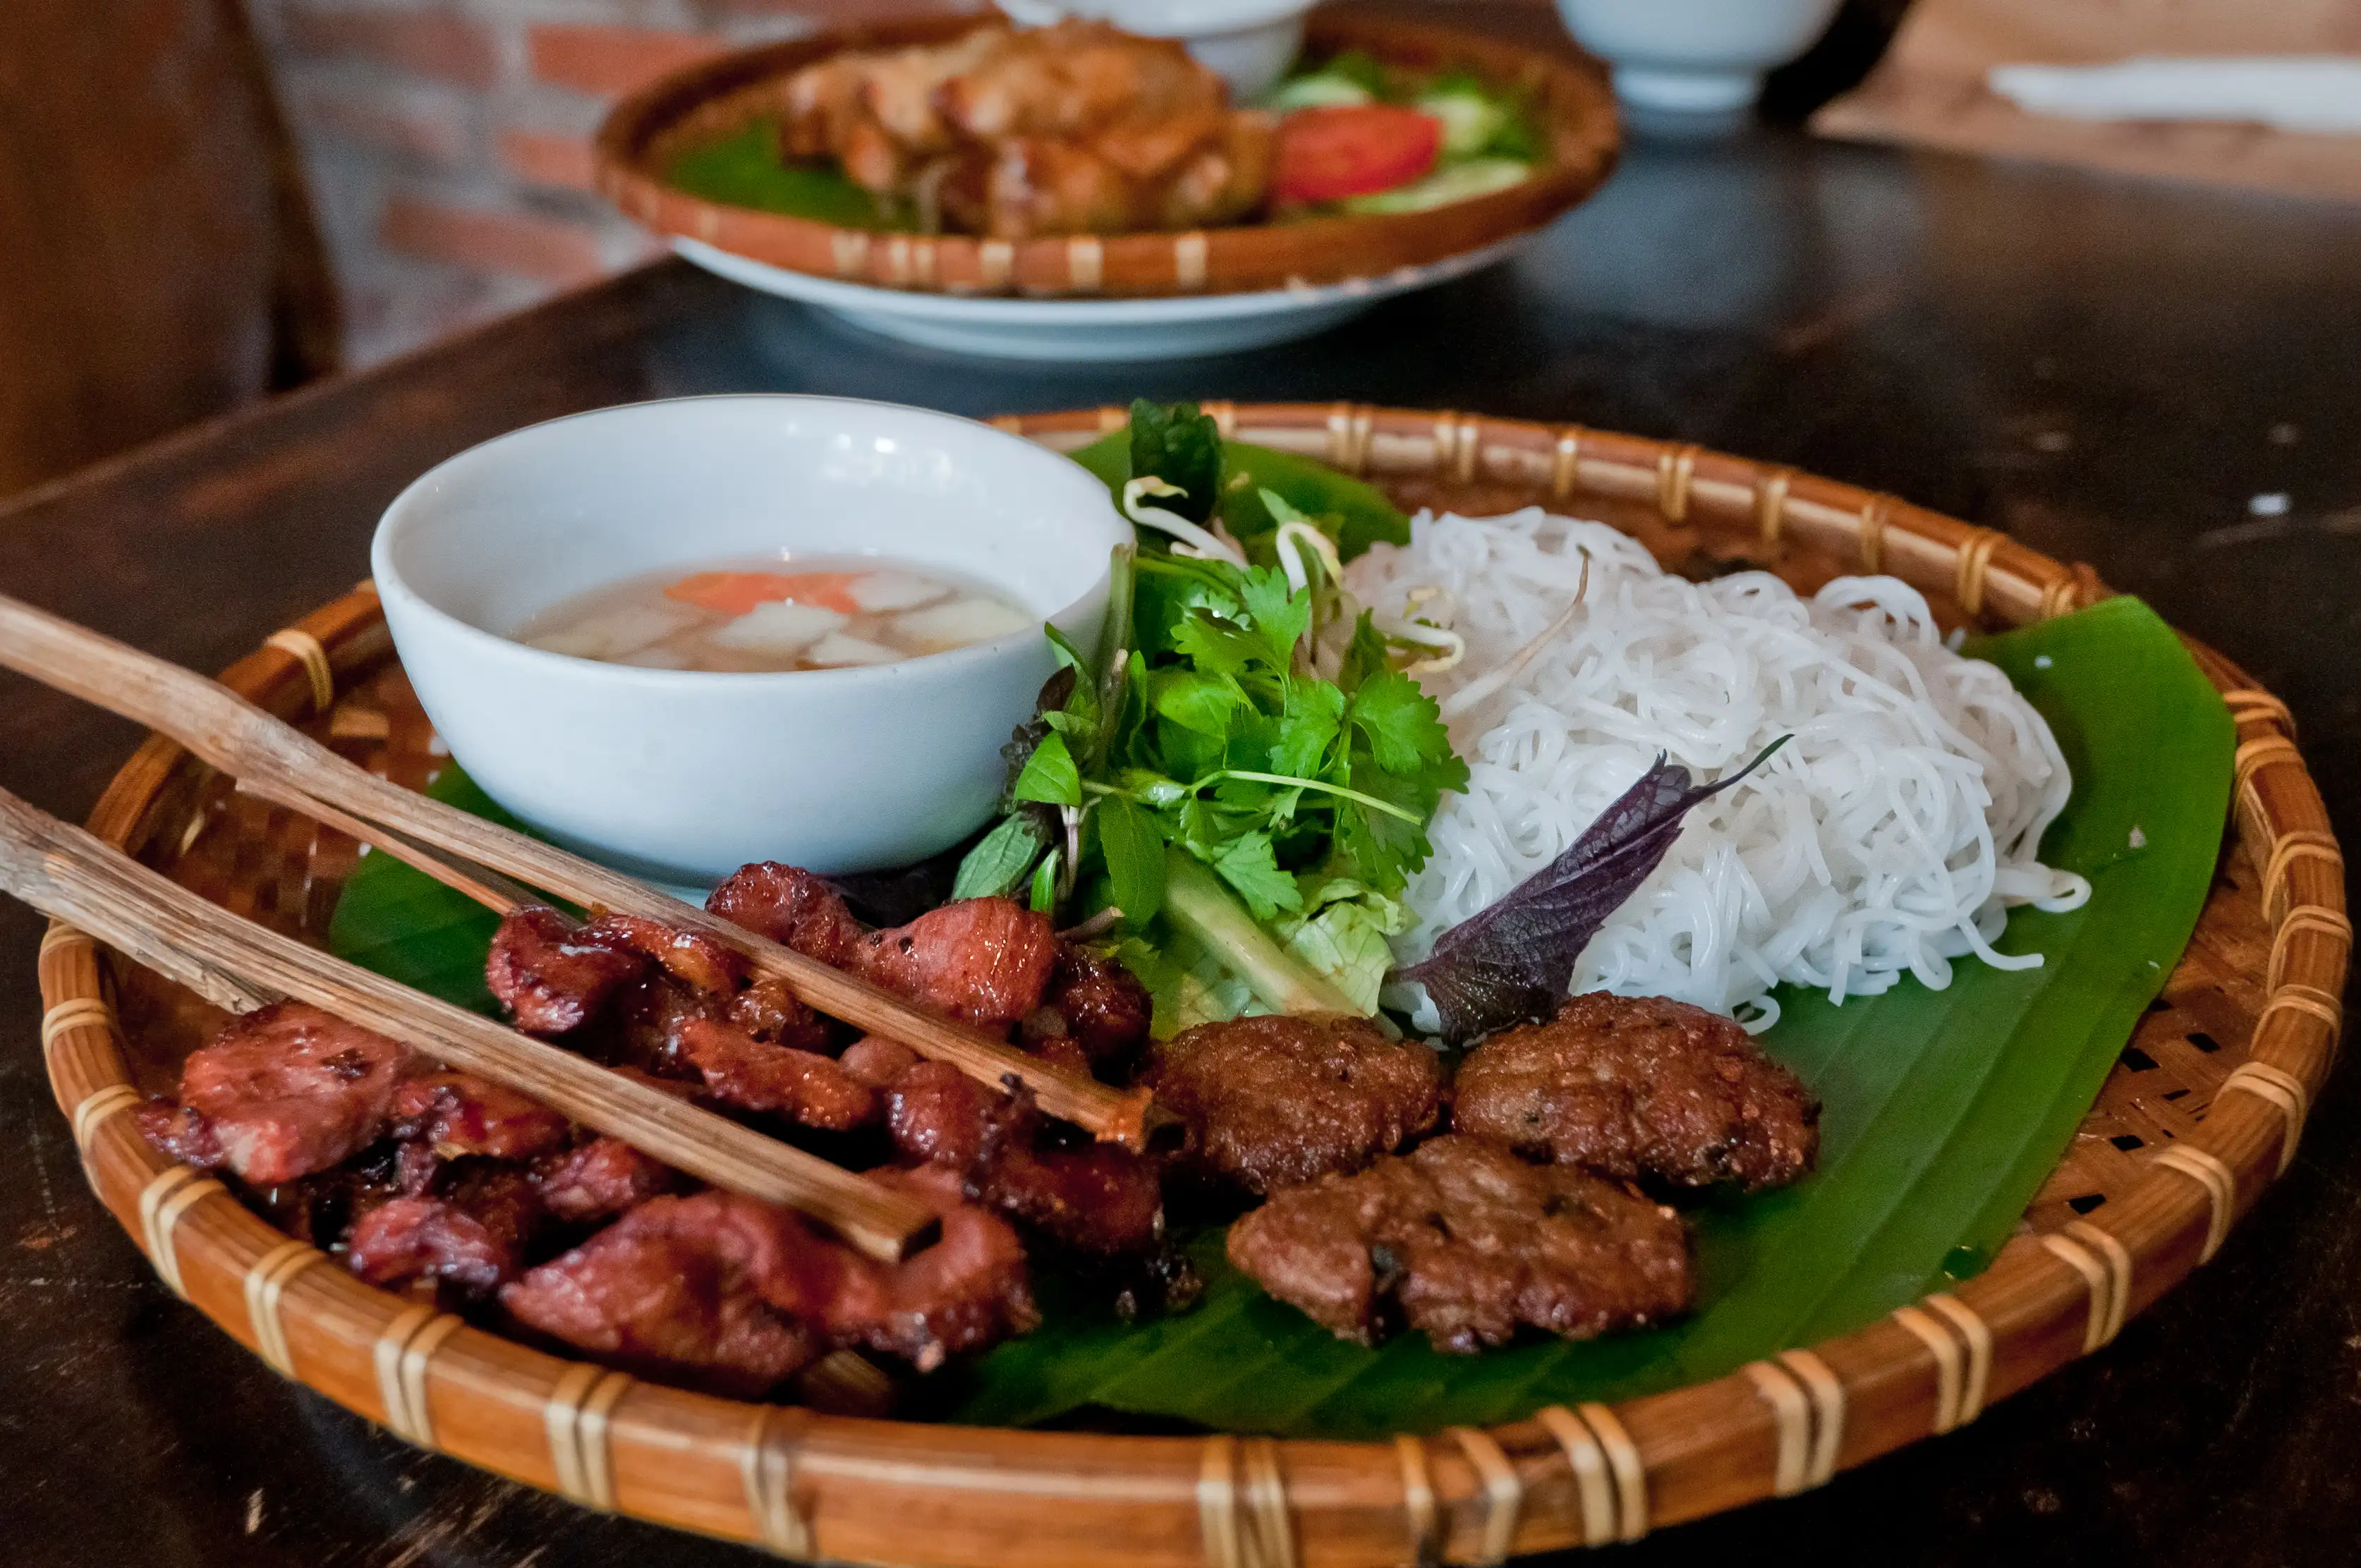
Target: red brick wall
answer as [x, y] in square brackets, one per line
[448, 140]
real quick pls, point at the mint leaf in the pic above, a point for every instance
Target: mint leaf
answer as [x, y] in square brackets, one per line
[1050, 775]
[1133, 850]
[997, 865]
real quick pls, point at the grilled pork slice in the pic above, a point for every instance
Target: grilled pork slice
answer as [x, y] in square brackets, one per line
[678, 1286]
[1094, 1197]
[599, 1178]
[282, 1092]
[457, 1114]
[1462, 1239]
[734, 1296]
[984, 961]
[1642, 1088]
[554, 976]
[472, 1233]
[1276, 1102]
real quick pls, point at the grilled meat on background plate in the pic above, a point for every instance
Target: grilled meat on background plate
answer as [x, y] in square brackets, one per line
[1075, 128]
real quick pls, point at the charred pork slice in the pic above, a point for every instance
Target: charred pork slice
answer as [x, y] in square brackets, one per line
[966, 1292]
[457, 1114]
[987, 961]
[984, 961]
[733, 1294]
[1642, 1088]
[741, 1070]
[472, 1233]
[598, 1180]
[1094, 1197]
[1095, 1015]
[678, 1286]
[282, 1092]
[793, 907]
[554, 976]
[1275, 1102]
[1464, 1241]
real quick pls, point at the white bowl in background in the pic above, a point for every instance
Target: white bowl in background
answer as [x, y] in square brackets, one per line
[682, 776]
[1695, 57]
[1247, 43]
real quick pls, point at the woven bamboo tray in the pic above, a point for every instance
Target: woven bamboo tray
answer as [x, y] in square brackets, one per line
[712, 99]
[2205, 1109]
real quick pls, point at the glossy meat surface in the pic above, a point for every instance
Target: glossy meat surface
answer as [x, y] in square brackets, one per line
[984, 961]
[1094, 1004]
[471, 1235]
[458, 1113]
[791, 906]
[552, 975]
[599, 1178]
[1642, 1088]
[1094, 1197]
[1464, 1241]
[682, 1287]
[1275, 1102]
[742, 1072]
[967, 1291]
[282, 1092]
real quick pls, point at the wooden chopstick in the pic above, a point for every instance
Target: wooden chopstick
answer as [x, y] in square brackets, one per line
[69, 875]
[501, 896]
[249, 744]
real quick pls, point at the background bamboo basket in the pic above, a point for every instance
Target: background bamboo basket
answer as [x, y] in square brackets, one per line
[2203, 1111]
[704, 102]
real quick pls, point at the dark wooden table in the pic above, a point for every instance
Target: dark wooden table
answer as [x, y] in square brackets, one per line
[2118, 373]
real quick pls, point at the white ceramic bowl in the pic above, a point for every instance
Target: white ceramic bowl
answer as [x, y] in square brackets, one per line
[682, 776]
[1247, 43]
[1695, 57]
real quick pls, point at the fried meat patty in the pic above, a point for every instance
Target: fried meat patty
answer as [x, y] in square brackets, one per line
[1640, 1087]
[1275, 1102]
[1464, 1241]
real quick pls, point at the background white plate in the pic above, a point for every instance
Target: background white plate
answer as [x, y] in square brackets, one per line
[1171, 328]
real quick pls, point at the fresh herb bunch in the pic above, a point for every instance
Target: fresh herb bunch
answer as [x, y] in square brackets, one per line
[1233, 722]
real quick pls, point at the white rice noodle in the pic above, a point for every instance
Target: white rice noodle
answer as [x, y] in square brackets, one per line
[1889, 836]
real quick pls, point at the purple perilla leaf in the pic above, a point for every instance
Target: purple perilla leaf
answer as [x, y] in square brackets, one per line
[1511, 964]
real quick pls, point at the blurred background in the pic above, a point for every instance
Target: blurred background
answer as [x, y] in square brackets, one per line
[203, 201]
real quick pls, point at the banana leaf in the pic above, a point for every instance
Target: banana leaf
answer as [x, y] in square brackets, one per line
[1944, 1110]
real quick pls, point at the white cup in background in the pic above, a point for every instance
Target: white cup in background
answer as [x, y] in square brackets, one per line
[1695, 57]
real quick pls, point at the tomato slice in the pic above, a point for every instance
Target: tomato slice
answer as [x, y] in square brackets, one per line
[735, 593]
[1358, 150]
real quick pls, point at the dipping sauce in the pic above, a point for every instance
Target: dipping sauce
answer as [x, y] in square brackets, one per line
[769, 615]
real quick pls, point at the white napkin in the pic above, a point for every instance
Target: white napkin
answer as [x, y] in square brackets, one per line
[2315, 93]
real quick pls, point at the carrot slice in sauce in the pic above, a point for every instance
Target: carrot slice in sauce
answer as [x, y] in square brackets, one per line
[736, 593]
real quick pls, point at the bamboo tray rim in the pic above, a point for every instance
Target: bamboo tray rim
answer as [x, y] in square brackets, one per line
[803, 1484]
[1579, 124]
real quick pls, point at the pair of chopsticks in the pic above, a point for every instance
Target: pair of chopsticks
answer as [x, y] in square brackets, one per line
[72, 876]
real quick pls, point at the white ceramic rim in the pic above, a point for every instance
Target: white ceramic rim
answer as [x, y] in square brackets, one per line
[1014, 313]
[391, 588]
